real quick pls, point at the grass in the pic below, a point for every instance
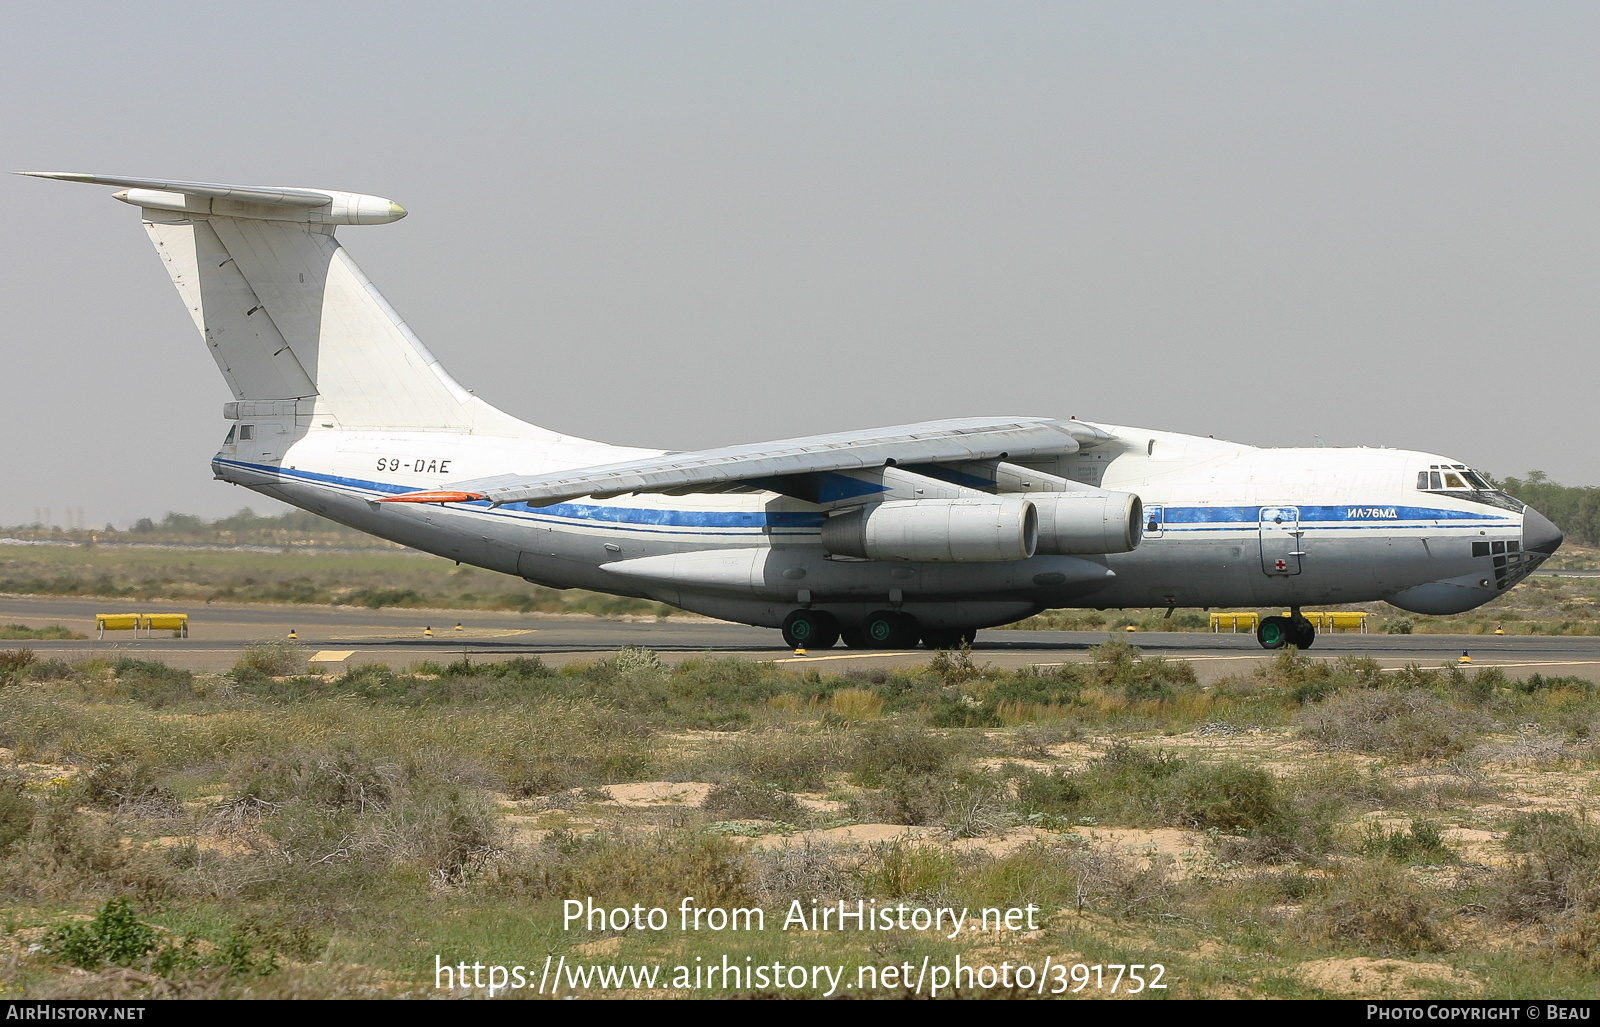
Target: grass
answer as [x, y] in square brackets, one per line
[16, 632]
[371, 578]
[318, 568]
[270, 833]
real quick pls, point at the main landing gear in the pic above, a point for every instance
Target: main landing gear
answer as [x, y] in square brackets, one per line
[810, 629]
[885, 629]
[1295, 630]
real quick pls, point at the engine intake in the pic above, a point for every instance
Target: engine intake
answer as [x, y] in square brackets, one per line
[1088, 522]
[936, 531]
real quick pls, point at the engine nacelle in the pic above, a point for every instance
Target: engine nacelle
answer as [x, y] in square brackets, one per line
[1088, 522]
[937, 530]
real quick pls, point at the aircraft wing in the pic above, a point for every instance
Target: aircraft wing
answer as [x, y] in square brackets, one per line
[930, 442]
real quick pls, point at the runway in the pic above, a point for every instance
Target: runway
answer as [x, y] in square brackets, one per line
[219, 634]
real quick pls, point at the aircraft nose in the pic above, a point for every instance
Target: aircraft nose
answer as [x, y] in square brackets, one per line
[1538, 534]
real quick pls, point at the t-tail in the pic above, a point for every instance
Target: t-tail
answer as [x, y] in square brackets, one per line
[294, 326]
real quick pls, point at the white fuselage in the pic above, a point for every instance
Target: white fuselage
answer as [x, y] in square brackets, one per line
[1226, 525]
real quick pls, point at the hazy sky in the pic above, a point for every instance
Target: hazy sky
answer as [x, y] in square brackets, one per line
[683, 225]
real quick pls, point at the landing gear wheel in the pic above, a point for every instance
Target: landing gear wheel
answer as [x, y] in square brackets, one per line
[810, 629]
[948, 638]
[889, 630]
[1301, 632]
[855, 637]
[1273, 632]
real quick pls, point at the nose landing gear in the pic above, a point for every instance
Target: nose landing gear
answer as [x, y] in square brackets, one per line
[1295, 630]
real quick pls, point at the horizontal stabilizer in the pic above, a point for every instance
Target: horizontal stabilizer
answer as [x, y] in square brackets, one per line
[325, 206]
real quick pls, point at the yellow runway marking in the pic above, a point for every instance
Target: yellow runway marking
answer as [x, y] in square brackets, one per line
[846, 656]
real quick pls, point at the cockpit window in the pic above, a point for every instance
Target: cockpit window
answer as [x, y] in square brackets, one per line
[1451, 476]
[1463, 482]
[229, 440]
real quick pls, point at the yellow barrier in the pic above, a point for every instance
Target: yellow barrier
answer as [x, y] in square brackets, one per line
[178, 622]
[1333, 620]
[117, 622]
[1354, 620]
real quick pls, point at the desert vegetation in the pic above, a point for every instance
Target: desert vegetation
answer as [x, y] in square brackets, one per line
[1316, 828]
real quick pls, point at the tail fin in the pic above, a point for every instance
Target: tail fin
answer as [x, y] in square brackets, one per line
[289, 317]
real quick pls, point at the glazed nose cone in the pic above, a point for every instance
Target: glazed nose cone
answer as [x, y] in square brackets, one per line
[1538, 534]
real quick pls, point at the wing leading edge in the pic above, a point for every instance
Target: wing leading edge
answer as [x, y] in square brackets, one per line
[930, 442]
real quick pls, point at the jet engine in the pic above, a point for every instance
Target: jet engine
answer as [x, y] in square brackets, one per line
[1088, 522]
[936, 530]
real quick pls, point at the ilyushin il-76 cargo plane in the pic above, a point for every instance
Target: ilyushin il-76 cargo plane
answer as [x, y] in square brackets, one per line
[884, 537]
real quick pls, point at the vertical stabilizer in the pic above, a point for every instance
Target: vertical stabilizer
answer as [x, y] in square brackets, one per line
[288, 316]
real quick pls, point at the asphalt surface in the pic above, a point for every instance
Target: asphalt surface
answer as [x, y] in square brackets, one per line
[220, 633]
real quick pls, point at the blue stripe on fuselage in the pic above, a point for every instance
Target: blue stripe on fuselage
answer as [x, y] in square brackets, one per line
[1348, 512]
[1175, 518]
[618, 516]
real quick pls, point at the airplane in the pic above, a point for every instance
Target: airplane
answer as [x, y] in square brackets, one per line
[881, 537]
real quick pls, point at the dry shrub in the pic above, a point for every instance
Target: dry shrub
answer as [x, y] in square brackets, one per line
[856, 704]
[911, 799]
[339, 779]
[1555, 878]
[67, 855]
[626, 868]
[955, 666]
[1119, 666]
[966, 806]
[1580, 938]
[559, 744]
[1227, 796]
[751, 800]
[12, 664]
[974, 810]
[810, 872]
[1104, 881]
[16, 813]
[903, 869]
[904, 748]
[132, 788]
[1036, 740]
[1373, 908]
[787, 759]
[275, 657]
[446, 828]
[1410, 725]
[1421, 842]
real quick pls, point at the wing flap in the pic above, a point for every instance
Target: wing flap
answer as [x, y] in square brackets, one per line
[929, 442]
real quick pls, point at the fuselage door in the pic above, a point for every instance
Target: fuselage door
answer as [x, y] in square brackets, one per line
[1154, 521]
[1280, 539]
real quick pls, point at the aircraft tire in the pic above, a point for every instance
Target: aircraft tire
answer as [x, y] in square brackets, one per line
[887, 629]
[854, 637]
[810, 629]
[1302, 633]
[1273, 632]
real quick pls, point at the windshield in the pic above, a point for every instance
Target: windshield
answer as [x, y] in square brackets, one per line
[1463, 482]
